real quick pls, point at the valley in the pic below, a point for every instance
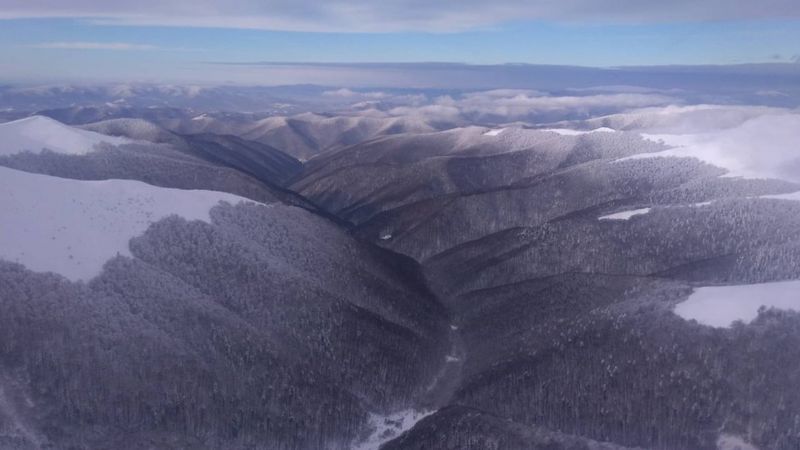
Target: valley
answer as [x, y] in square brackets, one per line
[322, 281]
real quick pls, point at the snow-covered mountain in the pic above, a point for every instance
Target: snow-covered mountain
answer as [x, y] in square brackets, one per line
[301, 136]
[37, 133]
[568, 262]
[177, 279]
[139, 292]
[139, 150]
[73, 227]
[748, 141]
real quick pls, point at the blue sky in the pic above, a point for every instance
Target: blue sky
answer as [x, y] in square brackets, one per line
[36, 47]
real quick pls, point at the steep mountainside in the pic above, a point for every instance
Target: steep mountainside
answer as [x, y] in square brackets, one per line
[262, 161]
[307, 135]
[562, 258]
[265, 163]
[132, 149]
[180, 280]
[239, 325]
[138, 129]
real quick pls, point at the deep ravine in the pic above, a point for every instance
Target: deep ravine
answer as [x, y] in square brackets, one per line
[437, 395]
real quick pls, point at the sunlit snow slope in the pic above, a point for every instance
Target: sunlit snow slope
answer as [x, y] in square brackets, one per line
[73, 227]
[721, 306]
[37, 133]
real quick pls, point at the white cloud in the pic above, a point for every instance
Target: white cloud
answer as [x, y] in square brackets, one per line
[349, 93]
[429, 112]
[391, 15]
[507, 105]
[94, 46]
[520, 103]
[771, 93]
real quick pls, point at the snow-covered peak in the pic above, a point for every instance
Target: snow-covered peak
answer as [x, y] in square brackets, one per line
[36, 133]
[73, 227]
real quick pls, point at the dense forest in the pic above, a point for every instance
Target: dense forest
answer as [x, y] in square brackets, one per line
[508, 288]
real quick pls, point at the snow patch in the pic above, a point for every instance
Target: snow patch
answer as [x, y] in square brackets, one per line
[625, 215]
[200, 117]
[791, 196]
[387, 427]
[730, 442]
[73, 227]
[570, 132]
[386, 237]
[762, 147]
[721, 306]
[451, 359]
[38, 132]
[494, 132]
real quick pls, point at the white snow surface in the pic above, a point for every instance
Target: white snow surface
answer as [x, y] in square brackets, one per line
[721, 306]
[570, 132]
[73, 227]
[494, 132]
[625, 215]
[387, 427]
[731, 442]
[761, 147]
[790, 196]
[36, 133]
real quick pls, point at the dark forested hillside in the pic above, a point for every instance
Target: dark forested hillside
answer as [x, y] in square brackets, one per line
[403, 288]
[566, 310]
[267, 328]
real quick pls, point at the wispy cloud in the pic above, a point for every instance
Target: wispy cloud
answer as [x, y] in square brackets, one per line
[94, 46]
[393, 15]
[351, 94]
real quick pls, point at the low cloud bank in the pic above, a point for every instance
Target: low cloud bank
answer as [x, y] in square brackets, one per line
[510, 105]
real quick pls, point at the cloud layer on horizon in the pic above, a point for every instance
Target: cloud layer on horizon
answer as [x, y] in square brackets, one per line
[509, 105]
[393, 15]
